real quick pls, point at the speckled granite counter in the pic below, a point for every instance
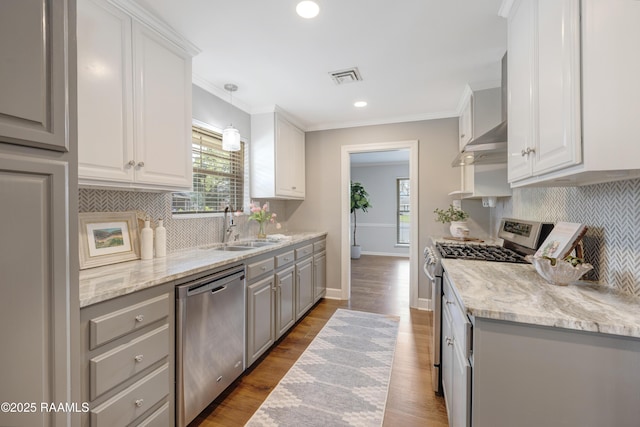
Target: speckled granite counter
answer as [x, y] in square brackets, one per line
[516, 292]
[110, 281]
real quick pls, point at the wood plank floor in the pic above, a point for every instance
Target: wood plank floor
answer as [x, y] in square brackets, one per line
[378, 285]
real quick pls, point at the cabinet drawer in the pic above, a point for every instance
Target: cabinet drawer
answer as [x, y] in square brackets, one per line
[319, 246]
[304, 251]
[160, 418]
[259, 268]
[113, 325]
[284, 259]
[461, 328]
[115, 366]
[126, 406]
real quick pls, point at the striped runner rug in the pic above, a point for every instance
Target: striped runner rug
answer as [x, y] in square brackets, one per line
[341, 379]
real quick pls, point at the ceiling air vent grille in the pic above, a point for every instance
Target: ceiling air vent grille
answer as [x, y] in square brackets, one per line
[349, 75]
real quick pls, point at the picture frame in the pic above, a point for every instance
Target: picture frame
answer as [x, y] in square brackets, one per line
[107, 238]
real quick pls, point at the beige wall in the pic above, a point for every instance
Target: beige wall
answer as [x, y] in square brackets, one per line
[438, 143]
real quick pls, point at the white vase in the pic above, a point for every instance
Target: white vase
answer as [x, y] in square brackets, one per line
[146, 241]
[459, 229]
[161, 240]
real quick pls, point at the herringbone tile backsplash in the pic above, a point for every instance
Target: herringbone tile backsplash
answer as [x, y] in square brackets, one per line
[612, 213]
[181, 233]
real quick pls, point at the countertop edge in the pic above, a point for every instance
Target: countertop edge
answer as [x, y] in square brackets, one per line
[585, 307]
[121, 279]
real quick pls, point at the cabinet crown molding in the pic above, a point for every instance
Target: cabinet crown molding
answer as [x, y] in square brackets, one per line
[158, 25]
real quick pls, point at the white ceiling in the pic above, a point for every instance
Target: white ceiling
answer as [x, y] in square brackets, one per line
[415, 56]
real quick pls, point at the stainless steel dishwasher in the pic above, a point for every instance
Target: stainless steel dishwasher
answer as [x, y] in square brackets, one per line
[210, 341]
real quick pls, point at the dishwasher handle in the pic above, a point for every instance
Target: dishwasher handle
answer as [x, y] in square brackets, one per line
[214, 282]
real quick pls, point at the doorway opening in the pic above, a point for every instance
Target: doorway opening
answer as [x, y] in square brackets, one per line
[380, 234]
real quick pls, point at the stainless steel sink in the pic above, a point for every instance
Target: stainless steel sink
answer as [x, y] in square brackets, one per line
[233, 248]
[255, 243]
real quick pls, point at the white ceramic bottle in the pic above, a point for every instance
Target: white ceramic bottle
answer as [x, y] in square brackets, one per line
[146, 241]
[161, 240]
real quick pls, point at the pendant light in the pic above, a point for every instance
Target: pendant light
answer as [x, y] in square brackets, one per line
[231, 135]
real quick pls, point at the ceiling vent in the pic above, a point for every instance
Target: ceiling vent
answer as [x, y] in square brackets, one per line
[349, 75]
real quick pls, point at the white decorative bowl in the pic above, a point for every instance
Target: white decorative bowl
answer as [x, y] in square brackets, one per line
[560, 274]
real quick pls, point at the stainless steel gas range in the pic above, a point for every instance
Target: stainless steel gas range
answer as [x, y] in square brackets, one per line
[520, 237]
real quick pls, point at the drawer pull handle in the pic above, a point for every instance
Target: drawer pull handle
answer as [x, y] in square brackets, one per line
[140, 164]
[219, 379]
[264, 268]
[139, 318]
[286, 259]
[139, 402]
[449, 302]
[139, 358]
[132, 163]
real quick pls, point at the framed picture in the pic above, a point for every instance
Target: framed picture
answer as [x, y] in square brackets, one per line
[107, 238]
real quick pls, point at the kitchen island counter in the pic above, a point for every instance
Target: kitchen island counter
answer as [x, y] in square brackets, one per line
[110, 281]
[516, 293]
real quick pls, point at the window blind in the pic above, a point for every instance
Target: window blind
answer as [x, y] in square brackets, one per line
[218, 176]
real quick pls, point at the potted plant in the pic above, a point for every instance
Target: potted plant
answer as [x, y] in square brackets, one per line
[458, 219]
[359, 200]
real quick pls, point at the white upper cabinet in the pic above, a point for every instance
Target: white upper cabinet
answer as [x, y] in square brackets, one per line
[134, 100]
[277, 158]
[544, 84]
[572, 83]
[465, 121]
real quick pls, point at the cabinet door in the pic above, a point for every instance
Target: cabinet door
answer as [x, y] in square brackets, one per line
[105, 94]
[460, 409]
[260, 319]
[559, 142]
[304, 287]
[162, 106]
[447, 360]
[33, 75]
[298, 163]
[284, 157]
[520, 64]
[285, 300]
[319, 275]
[289, 158]
[465, 123]
[39, 308]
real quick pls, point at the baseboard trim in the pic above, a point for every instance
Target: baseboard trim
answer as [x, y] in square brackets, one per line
[333, 294]
[425, 304]
[386, 254]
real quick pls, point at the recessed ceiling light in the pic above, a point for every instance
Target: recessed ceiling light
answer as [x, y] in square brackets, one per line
[360, 104]
[308, 9]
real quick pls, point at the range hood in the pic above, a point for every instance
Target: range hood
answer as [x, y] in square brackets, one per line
[490, 147]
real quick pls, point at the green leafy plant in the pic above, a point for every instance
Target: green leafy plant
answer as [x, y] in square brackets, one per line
[452, 214]
[359, 201]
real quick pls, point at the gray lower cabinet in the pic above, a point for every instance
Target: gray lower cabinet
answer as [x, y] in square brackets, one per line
[127, 359]
[304, 286]
[285, 300]
[528, 376]
[319, 275]
[260, 310]
[282, 286]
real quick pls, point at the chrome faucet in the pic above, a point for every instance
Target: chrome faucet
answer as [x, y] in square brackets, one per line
[227, 227]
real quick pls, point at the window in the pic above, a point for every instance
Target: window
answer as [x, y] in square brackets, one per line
[403, 192]
[218, 176]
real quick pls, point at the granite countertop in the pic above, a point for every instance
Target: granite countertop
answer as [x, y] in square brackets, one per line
[110, 281]
[515, 292]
